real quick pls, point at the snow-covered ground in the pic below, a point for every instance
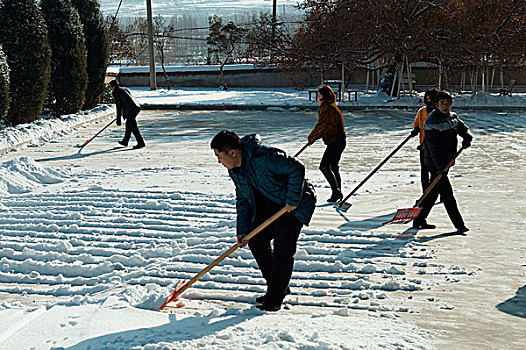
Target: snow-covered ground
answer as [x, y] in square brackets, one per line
[90, 241]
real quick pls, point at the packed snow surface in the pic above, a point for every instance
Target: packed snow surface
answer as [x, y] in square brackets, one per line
[92, 242]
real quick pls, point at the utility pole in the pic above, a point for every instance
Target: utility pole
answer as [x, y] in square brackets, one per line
[153, 78]
[274, 5]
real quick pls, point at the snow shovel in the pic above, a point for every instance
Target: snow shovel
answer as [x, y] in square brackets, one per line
[97, 134]
[181, 288]
[403, 216]
[343, 205]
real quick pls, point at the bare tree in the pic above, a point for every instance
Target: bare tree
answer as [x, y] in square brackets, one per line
[120, 47]
[163, 38]
[223, 43]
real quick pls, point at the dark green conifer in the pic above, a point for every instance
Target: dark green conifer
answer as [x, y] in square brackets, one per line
[69, 77]
[23, 35]
[97, 46]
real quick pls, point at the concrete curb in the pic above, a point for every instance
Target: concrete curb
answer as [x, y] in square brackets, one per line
[207, 107]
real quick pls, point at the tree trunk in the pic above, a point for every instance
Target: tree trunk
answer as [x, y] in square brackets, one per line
[165, 74]
[223, 84]
[483, 82]
[394, 81]
[492, 78]
[342, 92]
[401, 85]
[409, 78]
[440, 77]
[476, 80]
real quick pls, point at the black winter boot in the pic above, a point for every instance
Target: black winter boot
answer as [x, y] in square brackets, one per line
[335, 197]
[462, 229]
[333, 182]
[261, 299]
[269, 307]
[423, 226]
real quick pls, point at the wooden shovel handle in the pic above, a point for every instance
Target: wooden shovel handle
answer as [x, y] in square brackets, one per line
[340, 205]
[439, 176]
[230, 251]
[97, 134]
[301, 150]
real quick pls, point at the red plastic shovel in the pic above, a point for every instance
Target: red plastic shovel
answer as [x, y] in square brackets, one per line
[403, 216]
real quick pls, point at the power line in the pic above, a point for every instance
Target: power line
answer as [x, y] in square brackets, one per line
[116, 13]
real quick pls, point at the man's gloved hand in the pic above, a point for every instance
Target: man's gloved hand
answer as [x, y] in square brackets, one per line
[415, 131]
[240, 240]
[119, 123]
[420, 147]
[466, 143]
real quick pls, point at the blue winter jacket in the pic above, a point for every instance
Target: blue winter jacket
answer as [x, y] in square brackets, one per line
[277, 176]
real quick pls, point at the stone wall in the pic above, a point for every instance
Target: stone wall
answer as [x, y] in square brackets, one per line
[266, 77]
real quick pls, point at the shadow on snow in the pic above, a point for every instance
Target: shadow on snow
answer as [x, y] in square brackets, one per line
[515, 306]
[185, 329]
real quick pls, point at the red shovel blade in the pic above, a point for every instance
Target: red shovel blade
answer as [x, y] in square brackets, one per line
[84, 144]
[403, 216]
[172, 296]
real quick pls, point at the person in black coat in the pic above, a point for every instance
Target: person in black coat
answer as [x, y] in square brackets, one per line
[128, 108]
[266, 180]
[441, 129]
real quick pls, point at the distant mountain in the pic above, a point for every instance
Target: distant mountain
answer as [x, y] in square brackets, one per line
[200, 8]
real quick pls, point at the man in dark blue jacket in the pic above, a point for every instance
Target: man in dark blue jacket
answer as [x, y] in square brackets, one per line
[440, 143]
[128, 108]
[267, 180]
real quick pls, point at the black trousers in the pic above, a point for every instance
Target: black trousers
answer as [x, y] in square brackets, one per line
[425, 174]
[276, 264]
[444, 189]
[131, 127]
[329, 164]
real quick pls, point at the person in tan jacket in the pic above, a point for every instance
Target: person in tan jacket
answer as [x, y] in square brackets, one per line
[331, 129]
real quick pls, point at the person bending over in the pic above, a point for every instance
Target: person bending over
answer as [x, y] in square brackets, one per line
[266, 180]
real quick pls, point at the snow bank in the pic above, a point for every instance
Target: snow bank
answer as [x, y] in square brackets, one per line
[23, 174]
[48, 129]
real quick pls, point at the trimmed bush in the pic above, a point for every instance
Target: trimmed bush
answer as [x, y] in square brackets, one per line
[97, 47]
[23, 36]
[69, 77]
[4, 86]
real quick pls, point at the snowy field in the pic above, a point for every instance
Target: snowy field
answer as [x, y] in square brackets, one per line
[90, 241]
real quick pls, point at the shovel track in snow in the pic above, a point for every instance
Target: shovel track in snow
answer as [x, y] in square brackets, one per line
[78, 243]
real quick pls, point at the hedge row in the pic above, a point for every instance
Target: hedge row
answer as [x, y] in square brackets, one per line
[57, 53]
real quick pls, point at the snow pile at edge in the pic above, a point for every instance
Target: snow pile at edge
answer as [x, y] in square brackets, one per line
[44, 130]
[23, 174]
